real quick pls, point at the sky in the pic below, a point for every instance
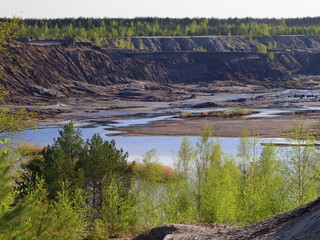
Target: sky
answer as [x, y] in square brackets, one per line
[159, 8]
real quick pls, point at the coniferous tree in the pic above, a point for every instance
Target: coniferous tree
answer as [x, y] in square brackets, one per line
[60, 160]
[103, 163]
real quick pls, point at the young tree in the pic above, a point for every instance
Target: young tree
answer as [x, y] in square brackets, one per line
[244, 150]
[202, 163]
[118, 211]
[184, 164]
[147, 189]
[183, 189]
[249, 194]
[34, 216]
[60, 160]
[103, 163]
[271, 181]
[300, 162]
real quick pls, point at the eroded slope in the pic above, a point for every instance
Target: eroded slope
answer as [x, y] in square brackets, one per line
[68, 68]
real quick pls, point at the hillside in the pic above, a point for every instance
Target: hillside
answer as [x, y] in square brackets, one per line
[216, 43]
[71, 68]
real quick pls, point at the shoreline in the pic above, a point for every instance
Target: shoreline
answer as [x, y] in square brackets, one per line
[264, 128]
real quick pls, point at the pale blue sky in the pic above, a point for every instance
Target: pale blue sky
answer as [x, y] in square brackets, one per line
[159, 8]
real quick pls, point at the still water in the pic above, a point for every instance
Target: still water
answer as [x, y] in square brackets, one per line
[166, 147]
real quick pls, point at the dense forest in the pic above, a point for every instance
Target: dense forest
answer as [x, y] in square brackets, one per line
[97, 29]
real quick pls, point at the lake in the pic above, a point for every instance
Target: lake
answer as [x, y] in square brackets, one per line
[167, 147]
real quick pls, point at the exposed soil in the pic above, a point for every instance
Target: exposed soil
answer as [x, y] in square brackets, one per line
[264, 127]
[99, 111]
[301, 224]
[76, 69]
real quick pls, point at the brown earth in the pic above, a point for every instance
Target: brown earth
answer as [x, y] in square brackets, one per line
[302, 223]
[68, 68]
[264, 127]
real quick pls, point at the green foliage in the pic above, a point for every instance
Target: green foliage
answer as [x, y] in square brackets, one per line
[96, 167]
[102, 163]
[31, 215]
[12, 121]
[125, 44]
[182, 192]
[300, 164]
[9, 29]
[35, 217]
[220, 189]
[99, 29]
[243, 149]
[270, 45]
[271, 55]
[272, 183]
[60, 160]
[118, 210]
[202, 49]
[87, 190]
[261, 179]
[184, 165]
[61, 219]
[262, 48]
[147, 190]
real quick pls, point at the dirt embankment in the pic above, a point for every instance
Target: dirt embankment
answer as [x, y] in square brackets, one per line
[68, 68]
[300, 224]
[216, 43]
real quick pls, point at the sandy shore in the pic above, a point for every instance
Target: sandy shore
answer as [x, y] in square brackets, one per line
[289, 105]
[263, 127]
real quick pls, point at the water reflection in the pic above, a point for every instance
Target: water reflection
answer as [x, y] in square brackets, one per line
[167, 147]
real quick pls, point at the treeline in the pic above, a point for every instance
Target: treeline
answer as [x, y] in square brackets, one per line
[94, 29]
[77, 189]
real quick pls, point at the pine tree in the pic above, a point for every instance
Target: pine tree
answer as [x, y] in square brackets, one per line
[103, 163]
[60, 160]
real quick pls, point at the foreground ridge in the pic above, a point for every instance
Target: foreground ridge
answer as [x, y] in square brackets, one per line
[300, 223]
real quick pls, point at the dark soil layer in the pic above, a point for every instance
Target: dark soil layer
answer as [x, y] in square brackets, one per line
[69, 68]
[301, 224]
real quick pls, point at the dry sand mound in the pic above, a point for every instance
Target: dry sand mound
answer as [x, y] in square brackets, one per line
[300, 223]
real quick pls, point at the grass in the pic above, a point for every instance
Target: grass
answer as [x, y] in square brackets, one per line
[28, 149]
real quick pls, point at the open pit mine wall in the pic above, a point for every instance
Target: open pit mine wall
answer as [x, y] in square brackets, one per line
[215, 43]
[65, 68]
